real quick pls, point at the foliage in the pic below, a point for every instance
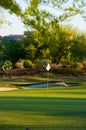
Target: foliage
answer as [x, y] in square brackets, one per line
[12, 50]
[73, 8]
[19, 64]
[48, 32]
[46, 38]
[29, 45]
[11, 5]
[43, 64]
[34, 47]
[78, 48]
[61, 41]
[78, 65]
[6, 66]
[28, 64]
[1, 63]
[40, 14]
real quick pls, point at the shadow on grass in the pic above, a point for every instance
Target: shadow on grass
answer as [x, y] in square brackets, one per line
[44, 105]
[68, 113]
[12, 127]
[75, 84]
[21, 85]
[41, 127]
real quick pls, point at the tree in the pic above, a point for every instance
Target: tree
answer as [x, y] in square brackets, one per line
[29, 45]
[10, 5]
[34, 47]
[51, 38]
[38, 11]
[12, 50]
[78, 48]
[61, 41]
[66, 8]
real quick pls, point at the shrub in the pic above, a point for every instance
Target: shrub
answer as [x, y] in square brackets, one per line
[20, 64]
[28, 64]
[43, 64]
[78, 65]
[6, 66]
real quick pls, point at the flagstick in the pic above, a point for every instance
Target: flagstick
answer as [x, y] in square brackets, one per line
[47, 83]
[48, 68]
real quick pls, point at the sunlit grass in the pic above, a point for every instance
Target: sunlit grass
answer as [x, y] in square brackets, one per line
[52, 108]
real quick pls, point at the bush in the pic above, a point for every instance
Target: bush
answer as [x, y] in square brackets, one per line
[6, 66]
[78, 65]
[43, 64]
[20, 64]
[28, 64]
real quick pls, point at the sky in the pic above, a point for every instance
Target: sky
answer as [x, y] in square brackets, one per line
[17, 27]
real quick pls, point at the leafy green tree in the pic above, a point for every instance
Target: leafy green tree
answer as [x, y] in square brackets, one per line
[38, 12]
[48, 39]
[78, 48]
[11, 5]
[50, 36]
[61, 41]
[34, 47]
[29, 45]
[66, 8]
[12, 50]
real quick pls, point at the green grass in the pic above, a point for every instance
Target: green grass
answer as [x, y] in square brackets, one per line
[58, 108]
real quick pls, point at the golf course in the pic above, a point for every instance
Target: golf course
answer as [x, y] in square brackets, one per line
[49, 108]
[42, 64]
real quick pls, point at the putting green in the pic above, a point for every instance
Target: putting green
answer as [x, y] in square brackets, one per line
[56, 108]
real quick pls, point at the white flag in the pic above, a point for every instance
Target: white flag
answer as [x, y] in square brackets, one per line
[48, 67]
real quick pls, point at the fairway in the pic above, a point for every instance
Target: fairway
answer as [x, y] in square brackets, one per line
[42, 64]
[58, 108]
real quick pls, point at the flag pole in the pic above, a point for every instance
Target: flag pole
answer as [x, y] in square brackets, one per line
[48, 68]
[47, 81]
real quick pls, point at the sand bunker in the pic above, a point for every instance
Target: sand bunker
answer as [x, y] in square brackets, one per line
[7, 89]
